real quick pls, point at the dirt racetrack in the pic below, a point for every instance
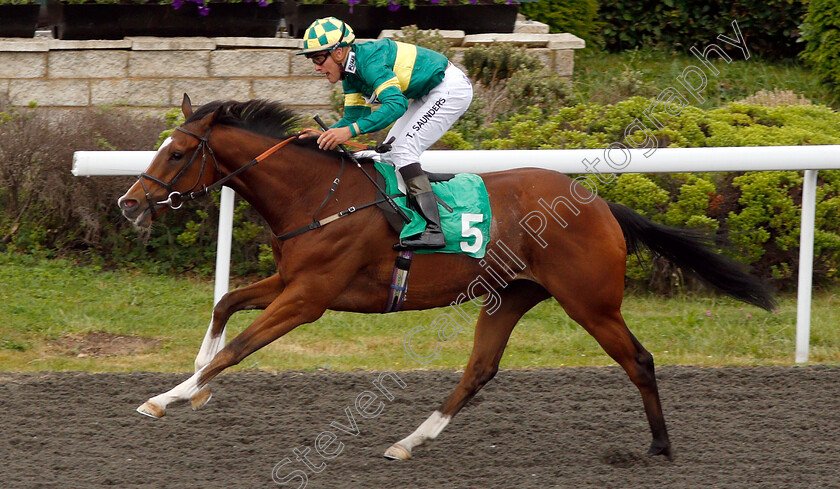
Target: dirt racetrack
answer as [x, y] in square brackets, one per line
[577, 428]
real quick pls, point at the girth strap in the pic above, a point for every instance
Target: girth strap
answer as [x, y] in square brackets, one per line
[323, 222]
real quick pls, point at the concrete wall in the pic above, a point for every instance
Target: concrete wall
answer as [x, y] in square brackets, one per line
[146, 72]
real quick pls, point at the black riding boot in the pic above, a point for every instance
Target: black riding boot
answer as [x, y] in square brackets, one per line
[420, 189]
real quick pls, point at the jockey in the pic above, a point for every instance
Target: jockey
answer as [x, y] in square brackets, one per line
[418, 90]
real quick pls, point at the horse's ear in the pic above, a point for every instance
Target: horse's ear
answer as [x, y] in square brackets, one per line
[208, 120]
[215, 115]
[186, 106]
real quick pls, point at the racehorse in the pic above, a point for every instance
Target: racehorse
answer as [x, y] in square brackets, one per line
[579, 258]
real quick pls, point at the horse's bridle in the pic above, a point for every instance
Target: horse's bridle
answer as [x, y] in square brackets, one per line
[176, 199]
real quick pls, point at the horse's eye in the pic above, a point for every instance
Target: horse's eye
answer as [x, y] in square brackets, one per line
[176, 156]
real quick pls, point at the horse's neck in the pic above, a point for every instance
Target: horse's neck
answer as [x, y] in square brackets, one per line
[279, 187]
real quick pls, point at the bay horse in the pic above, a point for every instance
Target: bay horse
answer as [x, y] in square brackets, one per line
[579, 258]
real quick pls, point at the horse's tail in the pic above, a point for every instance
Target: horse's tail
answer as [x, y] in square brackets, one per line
[692, 250]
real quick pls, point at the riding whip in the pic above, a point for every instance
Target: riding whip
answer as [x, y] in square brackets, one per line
[388, 198]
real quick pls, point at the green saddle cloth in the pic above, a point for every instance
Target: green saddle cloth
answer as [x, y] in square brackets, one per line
[466, 228]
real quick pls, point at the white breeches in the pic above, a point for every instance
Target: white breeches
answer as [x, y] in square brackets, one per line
[428, 118]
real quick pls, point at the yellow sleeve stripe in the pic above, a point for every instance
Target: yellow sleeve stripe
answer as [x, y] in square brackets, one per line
[393, 82]
[355, 99]
[404, 64]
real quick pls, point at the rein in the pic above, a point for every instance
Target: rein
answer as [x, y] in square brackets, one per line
[176, 199]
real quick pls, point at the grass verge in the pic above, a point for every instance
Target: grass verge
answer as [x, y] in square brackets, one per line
[49, 309]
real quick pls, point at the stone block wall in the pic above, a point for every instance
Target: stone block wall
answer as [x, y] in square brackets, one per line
[154, 73]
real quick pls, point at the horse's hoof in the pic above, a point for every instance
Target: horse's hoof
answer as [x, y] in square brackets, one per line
[151, 410]
[661, 450]
[397, 452]
[201, 398]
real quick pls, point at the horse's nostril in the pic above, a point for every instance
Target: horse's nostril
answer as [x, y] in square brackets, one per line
[128, 203]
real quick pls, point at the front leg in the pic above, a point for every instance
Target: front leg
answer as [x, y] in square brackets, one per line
[298, 304]
[255, 296]
[288, 310]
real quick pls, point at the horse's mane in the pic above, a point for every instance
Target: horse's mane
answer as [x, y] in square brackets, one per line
[263, 117]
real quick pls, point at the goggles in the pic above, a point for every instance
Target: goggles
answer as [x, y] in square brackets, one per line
[320, 57]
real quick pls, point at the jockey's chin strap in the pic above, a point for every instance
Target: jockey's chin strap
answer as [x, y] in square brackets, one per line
[177, 199]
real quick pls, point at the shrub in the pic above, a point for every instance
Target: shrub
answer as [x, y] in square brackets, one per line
[497, 62]
[46, 209]
[536, 88]
[770, 26]
[507, 79]
[429, 39]
[195, 231]
[767, 223]
[578, 17]
[821, 31]
[775, 98]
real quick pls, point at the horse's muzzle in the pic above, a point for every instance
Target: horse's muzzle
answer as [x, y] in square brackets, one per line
[135, 211]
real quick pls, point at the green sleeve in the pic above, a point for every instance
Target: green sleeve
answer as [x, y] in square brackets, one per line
[355, 106]
[351, 115]
[394, 105]
[381, 80]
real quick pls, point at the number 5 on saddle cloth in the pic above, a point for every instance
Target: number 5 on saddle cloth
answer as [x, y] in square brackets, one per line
[466, 227]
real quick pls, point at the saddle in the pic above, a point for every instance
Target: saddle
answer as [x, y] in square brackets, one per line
[391, 215]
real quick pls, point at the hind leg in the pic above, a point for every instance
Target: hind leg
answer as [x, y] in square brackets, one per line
[619, 343]
[600, 315]
[255, 296]
[491, 335]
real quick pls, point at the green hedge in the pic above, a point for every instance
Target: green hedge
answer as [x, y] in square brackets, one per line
[769, 26]
[759, 211]
[595, 126]
[821, 31]
[579, 17]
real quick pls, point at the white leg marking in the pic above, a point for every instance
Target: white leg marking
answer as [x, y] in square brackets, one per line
[181, 392]
[209, 347]
[427, 431]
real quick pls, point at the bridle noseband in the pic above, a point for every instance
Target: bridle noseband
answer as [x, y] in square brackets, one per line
[176, 199]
